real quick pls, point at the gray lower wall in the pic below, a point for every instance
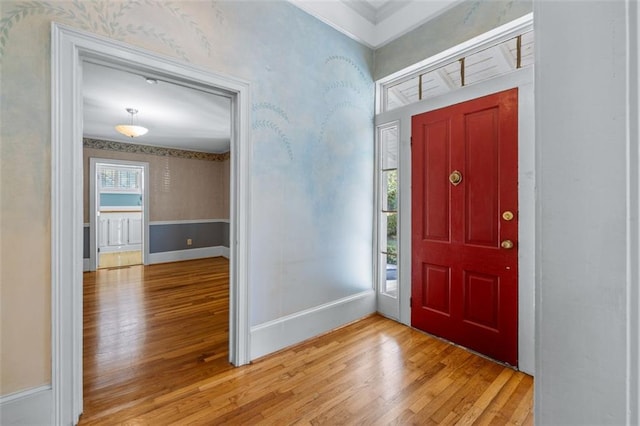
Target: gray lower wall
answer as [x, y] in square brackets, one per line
[173, 237]
[85, 242]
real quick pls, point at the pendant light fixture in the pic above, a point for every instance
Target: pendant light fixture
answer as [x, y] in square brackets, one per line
[131, 130]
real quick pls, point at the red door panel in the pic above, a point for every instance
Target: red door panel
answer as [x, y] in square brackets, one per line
[436, 148]
[464, 282]
[481, 299]
[437, 288]
[481, 171]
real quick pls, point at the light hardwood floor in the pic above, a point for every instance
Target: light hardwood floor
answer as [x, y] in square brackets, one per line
[121, 258]
[155, 352]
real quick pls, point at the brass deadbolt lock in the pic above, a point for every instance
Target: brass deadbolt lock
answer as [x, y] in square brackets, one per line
[507, 244]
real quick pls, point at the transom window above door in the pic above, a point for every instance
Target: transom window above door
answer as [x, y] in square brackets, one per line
[119, 179]
[485, 57]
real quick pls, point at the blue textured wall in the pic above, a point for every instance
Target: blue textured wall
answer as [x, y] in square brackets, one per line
[313, 161]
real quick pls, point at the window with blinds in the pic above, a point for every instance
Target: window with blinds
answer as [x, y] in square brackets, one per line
[120, 179]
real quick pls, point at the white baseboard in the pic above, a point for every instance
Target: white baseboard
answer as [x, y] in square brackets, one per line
[187, 221]
[189, 254]
[225, 252]
[30, 407]
[286, 331]
[86, 265]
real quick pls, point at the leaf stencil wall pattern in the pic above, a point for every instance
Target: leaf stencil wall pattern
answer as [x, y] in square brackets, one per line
[262, 109]
[312, 159]
[108, 18]
[348, 119]
[341, 165]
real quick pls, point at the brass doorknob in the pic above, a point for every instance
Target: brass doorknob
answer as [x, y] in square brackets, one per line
[455, 177]
[506, 244]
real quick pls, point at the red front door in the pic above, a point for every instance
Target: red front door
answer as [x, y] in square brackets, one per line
[464, 224]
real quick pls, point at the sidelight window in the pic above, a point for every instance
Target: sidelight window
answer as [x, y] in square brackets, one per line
[388, 209]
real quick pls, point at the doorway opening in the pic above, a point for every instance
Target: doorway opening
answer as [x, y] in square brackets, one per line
[169, 316]
[177, 174]
[72, 48]
[119, 213]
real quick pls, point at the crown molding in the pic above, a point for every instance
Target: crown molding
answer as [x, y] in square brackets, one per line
[374, 27]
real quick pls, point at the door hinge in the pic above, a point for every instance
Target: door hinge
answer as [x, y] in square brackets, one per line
[411, 302]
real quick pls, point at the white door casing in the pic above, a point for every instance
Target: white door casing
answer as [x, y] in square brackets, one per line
[69, 48]
[523, 79]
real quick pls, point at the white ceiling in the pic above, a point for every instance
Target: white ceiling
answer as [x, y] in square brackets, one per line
[176, 116]
[374, 22]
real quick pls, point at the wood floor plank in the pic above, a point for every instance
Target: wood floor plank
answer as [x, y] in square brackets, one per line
[493, 409]
[156, 350]
[481, 403]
